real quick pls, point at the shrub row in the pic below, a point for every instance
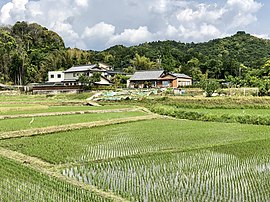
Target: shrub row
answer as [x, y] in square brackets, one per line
[215, 103]
[226, 118]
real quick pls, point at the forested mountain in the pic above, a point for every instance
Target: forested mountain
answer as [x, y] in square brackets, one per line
[236, 56]
[29, 51]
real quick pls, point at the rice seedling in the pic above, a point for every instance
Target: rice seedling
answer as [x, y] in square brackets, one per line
[190, 176]
[153, 160]
[20, 183]
[132, 139]
[39, 122]
[14, 109]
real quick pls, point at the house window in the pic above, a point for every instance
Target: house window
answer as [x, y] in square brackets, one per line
[154, 84]
[52, 76]
[166, 83]
[58, 76]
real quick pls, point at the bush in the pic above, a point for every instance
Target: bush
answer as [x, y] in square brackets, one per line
[209, 86]
[226, 118]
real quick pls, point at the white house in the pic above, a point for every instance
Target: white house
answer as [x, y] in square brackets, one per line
[70, 77]
[55, 77]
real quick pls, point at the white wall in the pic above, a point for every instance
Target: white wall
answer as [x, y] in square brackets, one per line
[55, 76]
[184, 82]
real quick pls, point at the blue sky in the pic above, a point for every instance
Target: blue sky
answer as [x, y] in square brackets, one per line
[99, 24]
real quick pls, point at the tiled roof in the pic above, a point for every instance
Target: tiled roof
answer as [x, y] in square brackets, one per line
[181, 76]
[83, 68]
[115, 72]
[146, 75]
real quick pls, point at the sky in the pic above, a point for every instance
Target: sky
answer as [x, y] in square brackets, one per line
[100, 24]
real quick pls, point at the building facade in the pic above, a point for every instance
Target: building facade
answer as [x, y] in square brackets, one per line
[70, 77]
[55, 76]
[158, 79]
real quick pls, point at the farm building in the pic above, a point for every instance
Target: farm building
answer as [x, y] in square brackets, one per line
[158, 79]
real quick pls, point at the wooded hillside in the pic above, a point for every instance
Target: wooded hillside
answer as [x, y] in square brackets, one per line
[240, 55]
[29, 51]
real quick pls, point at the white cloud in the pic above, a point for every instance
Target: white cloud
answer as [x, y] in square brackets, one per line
[98, 24]
[265, 36]
[160, 6]
[103, 35]
[209, 30]
[5, 13]
[34, 9]
[131, 36]
[82, 3]
[248, 6]
[202, 12]
[171, 32]
[100, 30]
[244, 12]
[13, 10]
[67, 32]
[98, 35]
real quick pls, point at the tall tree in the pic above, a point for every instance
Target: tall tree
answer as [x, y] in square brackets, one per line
[142, 63]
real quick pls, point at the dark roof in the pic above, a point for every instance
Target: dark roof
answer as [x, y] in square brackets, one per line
[75, 80]
[181, 76]
[147, 75]
[83, 68]
[115, 72]
[70, 80]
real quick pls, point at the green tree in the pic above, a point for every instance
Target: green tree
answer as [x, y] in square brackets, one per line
[129, 70]
[17, 70]
[215, 68]
[264, 87]
[89, 81]
[209, 86]
[142, 63]
[120, 80]
[265, 69]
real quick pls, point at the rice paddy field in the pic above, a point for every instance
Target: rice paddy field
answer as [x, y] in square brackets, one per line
[45, 121]
[21, 183]
[130, 155]
[16, 109]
